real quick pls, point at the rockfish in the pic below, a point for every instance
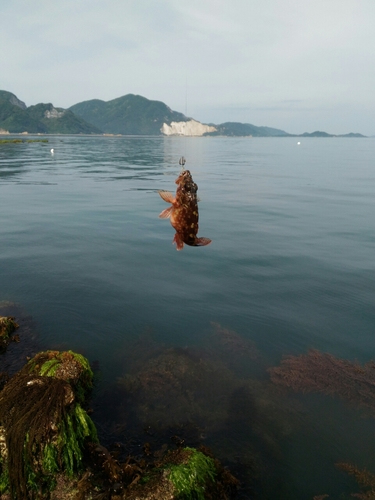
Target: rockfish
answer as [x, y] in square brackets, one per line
[183, 213]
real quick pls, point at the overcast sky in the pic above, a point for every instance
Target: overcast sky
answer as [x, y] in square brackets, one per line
[298, 65]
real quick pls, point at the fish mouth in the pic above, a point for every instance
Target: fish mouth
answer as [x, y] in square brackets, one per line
[184, 175]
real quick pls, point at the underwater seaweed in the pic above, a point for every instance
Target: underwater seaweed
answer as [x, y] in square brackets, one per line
[234, 343]
[23, 343]
[322, 372]
[7, 327]
[364, 478]
[179, 386]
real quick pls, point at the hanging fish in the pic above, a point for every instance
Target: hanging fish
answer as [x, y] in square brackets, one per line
[183, 213]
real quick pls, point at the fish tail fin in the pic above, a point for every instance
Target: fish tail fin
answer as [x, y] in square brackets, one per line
[165, 214]
[202, 242]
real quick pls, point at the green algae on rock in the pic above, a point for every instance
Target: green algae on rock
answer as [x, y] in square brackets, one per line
[191, 475]
[43, 427]
[66, 365]
[184, 474]
[7, 327]
[21, 141]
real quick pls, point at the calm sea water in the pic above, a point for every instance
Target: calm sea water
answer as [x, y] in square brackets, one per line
[291, 267]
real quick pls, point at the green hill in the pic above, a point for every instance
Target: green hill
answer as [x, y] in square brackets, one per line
[352, 134]
[8, 96]
[136, 115]
[246, 129]
[15, 117]
[129, 115]
[60, 121]
[318, 133]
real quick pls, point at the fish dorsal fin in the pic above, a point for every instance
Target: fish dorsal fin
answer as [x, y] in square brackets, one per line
[166, 196]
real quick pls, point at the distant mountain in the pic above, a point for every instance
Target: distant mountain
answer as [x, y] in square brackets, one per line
[16, 117]
[317, 133]
[136, 115]
[8, 96]
[351, 135]
[246, 129]
[128, 115]
[60, 121]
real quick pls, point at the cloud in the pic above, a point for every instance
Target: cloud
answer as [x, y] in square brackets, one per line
[237, 54]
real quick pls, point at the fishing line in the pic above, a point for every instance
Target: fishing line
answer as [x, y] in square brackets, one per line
[182, 160]
[186, 94]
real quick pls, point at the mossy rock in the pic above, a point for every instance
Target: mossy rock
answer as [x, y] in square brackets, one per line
[7, 327]
[183, 474]
[43, 427]
[192, 474]
[65, 365]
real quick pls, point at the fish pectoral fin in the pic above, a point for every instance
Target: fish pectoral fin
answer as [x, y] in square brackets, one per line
[166, 196]
[165, 214]
[202, 242]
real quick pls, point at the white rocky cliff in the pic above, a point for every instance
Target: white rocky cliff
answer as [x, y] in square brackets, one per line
[190, 128]
[54, 113]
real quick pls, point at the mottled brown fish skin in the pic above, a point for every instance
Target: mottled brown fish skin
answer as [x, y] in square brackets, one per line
[184, 215]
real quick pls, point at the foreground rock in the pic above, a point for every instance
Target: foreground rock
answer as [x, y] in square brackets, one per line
[49, 447]
[43, 427]
[183, 474]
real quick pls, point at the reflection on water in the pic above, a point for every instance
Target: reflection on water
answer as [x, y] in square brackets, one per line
[291, 268]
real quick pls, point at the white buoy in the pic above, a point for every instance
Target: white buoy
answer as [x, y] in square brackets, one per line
[298, 143]
[52, 151]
